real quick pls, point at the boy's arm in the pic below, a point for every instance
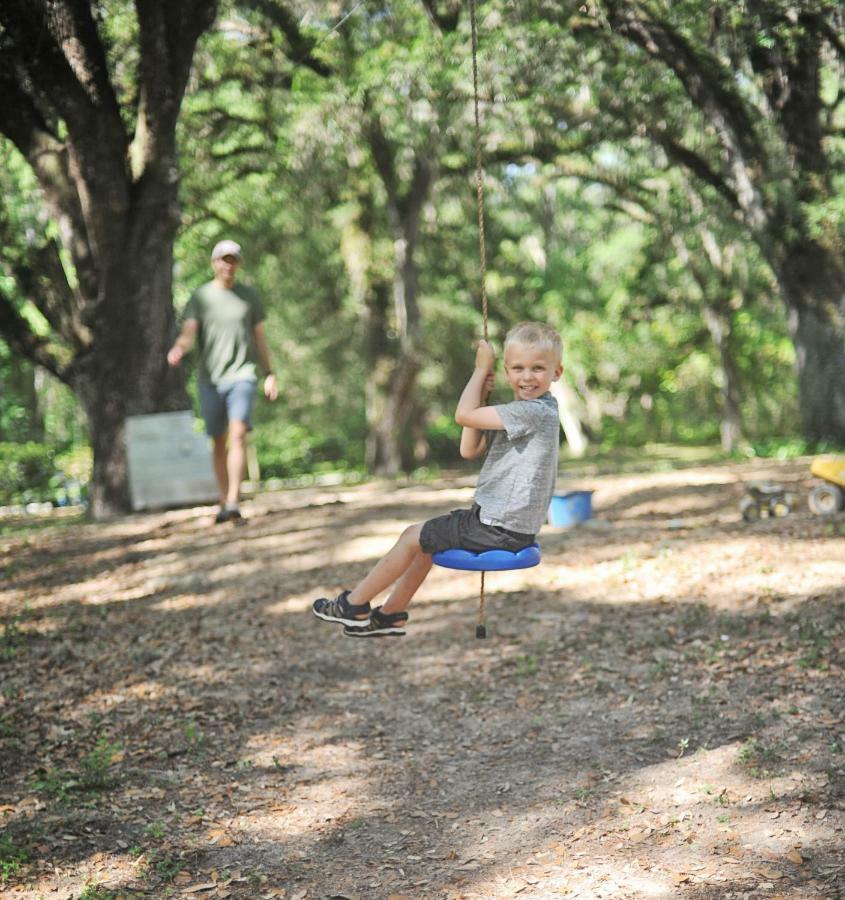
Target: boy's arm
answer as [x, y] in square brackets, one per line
[471, 413]
[474, 440]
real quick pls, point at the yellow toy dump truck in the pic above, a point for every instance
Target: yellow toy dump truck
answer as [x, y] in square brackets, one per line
[828, 498]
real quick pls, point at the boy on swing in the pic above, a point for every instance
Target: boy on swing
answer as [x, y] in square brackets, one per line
[520, 443]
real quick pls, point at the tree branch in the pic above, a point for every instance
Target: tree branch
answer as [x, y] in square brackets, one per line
[447, 21]
[381, 150]
[301, 48]
[168, 34]
[711, 89]
[697, 165]
[20, 337]
[58, 48]
[44, 281]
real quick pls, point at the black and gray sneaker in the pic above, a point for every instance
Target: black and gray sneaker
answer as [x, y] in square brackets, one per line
[227, 514]
[380, 625]
[340, 610]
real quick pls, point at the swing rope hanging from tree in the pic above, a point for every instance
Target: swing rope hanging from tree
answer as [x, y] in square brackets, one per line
[489, 560]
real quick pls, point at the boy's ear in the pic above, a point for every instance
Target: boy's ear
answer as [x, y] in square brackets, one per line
[558, 372]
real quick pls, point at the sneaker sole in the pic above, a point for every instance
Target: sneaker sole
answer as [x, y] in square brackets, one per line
[369, 632]
[349, 623]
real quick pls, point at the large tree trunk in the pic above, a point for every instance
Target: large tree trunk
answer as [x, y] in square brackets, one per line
[126, 372]
[719, 325]
[394, 381]
[813, 284]
[393, 387]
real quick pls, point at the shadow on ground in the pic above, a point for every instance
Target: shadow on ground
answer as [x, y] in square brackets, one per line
[657, 712]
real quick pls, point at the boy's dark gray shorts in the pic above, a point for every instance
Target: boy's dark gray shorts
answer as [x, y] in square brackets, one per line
[462, 528]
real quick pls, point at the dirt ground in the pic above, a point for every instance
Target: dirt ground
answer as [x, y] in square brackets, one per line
[657, 711]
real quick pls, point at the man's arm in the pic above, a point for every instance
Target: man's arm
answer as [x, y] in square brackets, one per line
[183, 344]
[271, 387]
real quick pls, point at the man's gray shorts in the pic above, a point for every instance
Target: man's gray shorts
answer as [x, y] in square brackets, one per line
[220, 404]
[462, 528]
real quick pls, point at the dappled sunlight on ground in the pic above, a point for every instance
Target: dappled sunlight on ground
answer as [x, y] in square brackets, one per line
[657, 711]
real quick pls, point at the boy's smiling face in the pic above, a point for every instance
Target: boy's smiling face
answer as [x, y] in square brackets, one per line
[530, 369]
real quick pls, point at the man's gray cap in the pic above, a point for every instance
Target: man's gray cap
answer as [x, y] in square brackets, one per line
[226, 248]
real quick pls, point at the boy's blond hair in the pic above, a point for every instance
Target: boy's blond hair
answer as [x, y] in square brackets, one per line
[536, 334]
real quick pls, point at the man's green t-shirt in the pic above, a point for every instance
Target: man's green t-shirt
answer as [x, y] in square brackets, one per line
[226, 335]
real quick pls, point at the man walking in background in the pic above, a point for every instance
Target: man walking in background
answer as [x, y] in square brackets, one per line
[227, 319]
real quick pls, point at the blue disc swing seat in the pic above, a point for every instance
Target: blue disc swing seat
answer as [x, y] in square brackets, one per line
[488, 560]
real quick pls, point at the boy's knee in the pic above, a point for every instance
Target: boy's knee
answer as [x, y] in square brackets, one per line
[411, 535]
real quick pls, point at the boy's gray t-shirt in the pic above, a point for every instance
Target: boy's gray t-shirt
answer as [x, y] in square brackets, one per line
[518, 477]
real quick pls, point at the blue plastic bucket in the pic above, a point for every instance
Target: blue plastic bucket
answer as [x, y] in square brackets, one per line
[570, 508]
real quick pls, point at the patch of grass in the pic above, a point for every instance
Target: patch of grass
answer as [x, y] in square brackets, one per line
[17, 528]
[11, 638]
[196, 739]
[694, 616]
[758, 758]
[12, 858]
[93, 774]
[156, 830]
[814, 641]
[58, 784]
[660, 669]
[722, 798]
[7, 730]
[526, 666]
[97, 892]
[167, 867]
[96, 763]
[714, 654]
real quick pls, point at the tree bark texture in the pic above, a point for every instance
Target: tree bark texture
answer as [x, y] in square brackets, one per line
[392, 390]
[114, 194]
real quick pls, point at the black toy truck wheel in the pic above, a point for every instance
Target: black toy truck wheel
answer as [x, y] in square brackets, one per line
[827, 499]
[780, 508]
[750, 509]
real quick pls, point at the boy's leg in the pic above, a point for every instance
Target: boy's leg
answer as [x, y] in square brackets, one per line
[391, 567]
[408, 584]
[404, 563]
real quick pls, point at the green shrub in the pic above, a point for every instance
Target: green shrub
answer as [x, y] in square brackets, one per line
[290, 449]
[25, 472]
[76, 464]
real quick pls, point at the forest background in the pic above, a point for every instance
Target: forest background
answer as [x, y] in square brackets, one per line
[663, 182]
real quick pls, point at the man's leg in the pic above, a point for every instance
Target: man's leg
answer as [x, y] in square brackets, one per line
[221, 472]
[235, 462]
